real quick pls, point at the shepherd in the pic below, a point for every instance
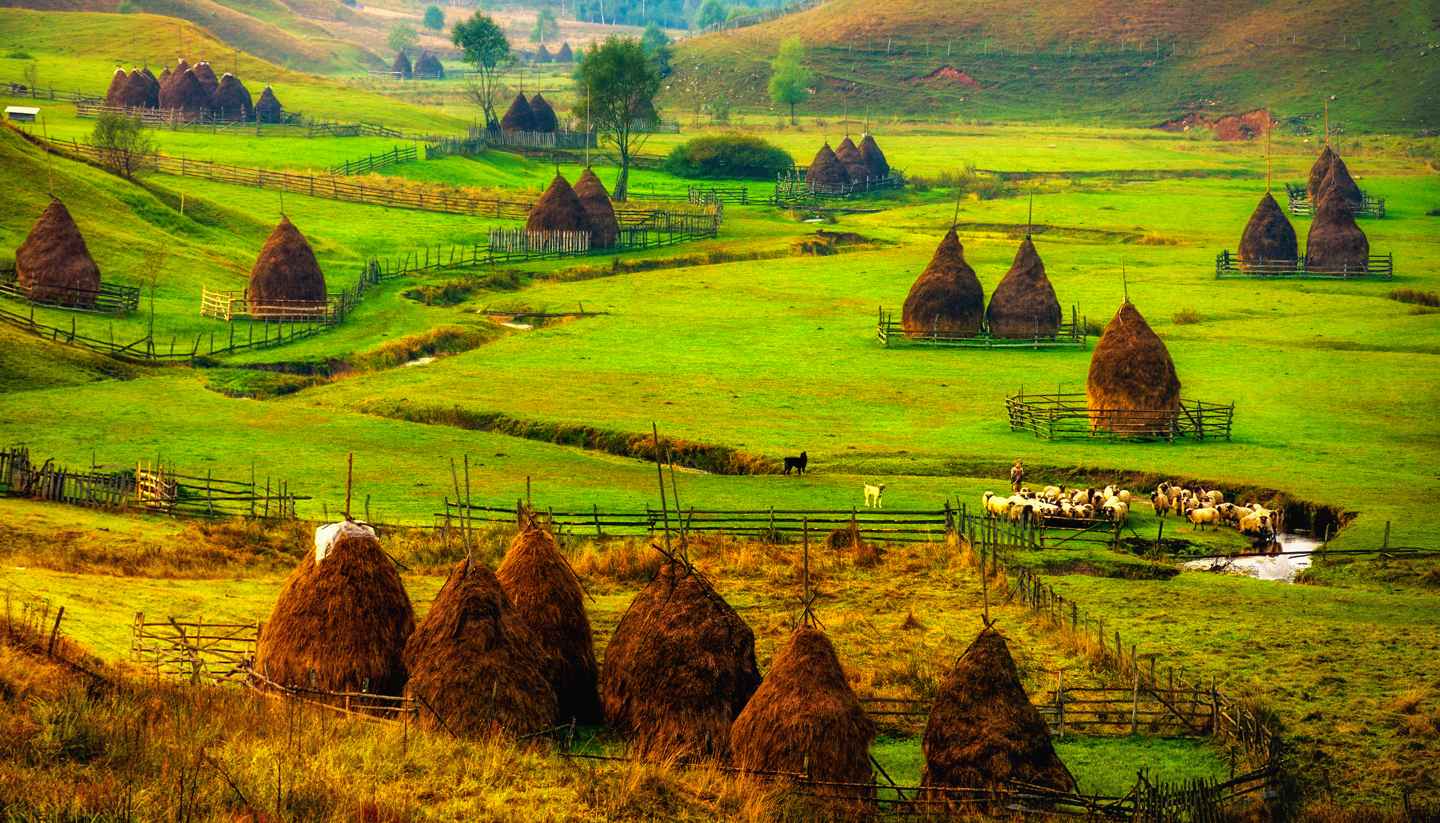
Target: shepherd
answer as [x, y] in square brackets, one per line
[1017, 476]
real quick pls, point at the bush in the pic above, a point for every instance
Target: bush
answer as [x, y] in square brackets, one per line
[728, 156]
[1186, 317]
[1419, 298]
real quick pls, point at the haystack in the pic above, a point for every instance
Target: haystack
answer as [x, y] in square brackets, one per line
[547, 598]
[401, 67]
[428, 67]
[599, 211]
[474, 664]
[232, 99]
[268, 108]
[115, 94]
[679, 668]
[826, 169]
[53, 265]
[1335, 242]
[849, 156]
[152, 93]
[804, 717]
[983, 730]
[519, 117]
[542, 115]
[1339, 183]
[184, 93]
[542, 55]
[136, 94]
[558, 209]
[874, 158]
[181, 66]
[565, 54]
[164, 75]
[947, 297]
[1024, 305]
[1131, 370]
[207, 78]
[1318, 170]
[286, 271]
[1268, 237]
[342, 619]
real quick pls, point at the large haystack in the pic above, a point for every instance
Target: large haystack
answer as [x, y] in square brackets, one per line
[1339, 183]
[115, 94]
[565, 54]
[1131, 370]
[679, 668]
[474, 664]
[206, 75]
[136, 94]
[874, 158]
[548, 599]
[558, 209]
[268, 108]
[342, 619]
[826, 169]
[53, 265]
[542, 115]
[849, 156]
[164, 76]
[232, 99]
[947, 297]
[183, 92]
[543, 55]
[429, 67]
[152, 93]
[519, 117]
[285, 273]
[401, 67]
[1268, 237]
[599, 211]
[1024, 305]
[804, 717]
[1318, 170]
[983, 730]
[1335, 242]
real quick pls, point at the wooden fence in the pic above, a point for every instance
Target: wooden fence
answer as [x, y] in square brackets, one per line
[1068, 415]
[21, 90]
[236, 303]
[503, 139]
[791, 187]
[200, 652]
[110, 298]
[1229, 266]
[1300, 204]
[1070, 335]
[710, 195]
[512, 243]
[375, 162]
[454, 147]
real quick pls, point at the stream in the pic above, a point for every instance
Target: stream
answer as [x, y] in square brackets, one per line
[1279, 567]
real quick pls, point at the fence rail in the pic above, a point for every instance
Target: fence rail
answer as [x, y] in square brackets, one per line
[375, 162]
[22, 90]
[1230, 266]
[1068, 415]
[1300, 204]
[792, 187]
[1071, 334]
[236, 303]
[505, 139]
[195, 650]
[109, 298]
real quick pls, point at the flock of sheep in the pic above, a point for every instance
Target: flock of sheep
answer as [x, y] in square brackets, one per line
[1207, 507]
[1200, 506]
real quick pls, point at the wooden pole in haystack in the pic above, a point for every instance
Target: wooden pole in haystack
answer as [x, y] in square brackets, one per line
[660, 475]
[349, 480]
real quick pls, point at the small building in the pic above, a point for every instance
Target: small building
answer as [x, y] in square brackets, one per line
[21, 114]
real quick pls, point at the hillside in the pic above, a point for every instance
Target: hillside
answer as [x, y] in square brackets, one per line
[1131, 63]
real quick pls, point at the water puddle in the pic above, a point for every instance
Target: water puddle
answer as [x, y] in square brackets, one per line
[1294, 555]
[420, 361]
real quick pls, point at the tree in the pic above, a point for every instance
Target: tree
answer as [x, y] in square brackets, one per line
[403, 38]
[711, 13]
[789, 78]
[546, 27]
[657, 47]
[434, 18]
[486, 49]
[619, 83]
[122, 142]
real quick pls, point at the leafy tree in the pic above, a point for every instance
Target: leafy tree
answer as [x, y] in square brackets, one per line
[486, 49]
[657, 46]
[403, 38]
[546, 26]
[789, 78]
[618, 82]
[711, 13]
[434, 18]
[122, 141]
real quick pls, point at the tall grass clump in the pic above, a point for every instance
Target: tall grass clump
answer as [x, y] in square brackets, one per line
[1428, 299]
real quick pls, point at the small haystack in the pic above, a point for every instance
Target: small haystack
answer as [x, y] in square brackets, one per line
[1131, 370]
[565, 54]
[874, 158]
[1318, 171]
[1023, 305]
[207, 78]
[599, 211]
[826, 169]
[983, 730]
[474, 664]
[804, 717]
[1339, 183]
[679, 668]
[268, 108]
[542, 115]
[519, 117]
[286, 271]
[115, 94]
[558, 209]
[342, 619]
[401, 67]
[547, 598]
[53, 265]
[947, 297]
[543, 55]
[428, 67]
[1335, 242]
[232, 99]
[1269, 237]
[136, 94]
[184, 93]
[849, 156]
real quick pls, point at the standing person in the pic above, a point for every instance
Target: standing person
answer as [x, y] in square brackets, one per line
[1017, 476]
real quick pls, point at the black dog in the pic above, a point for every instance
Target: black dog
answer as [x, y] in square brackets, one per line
[797, 463]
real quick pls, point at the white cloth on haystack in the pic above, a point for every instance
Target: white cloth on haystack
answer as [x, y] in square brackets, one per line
[326, 535]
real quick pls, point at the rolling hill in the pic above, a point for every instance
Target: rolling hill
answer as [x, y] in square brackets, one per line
[1112, 61]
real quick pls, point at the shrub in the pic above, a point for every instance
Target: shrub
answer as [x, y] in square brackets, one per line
[1186, 317]
[1419, 298]
[728, 156]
